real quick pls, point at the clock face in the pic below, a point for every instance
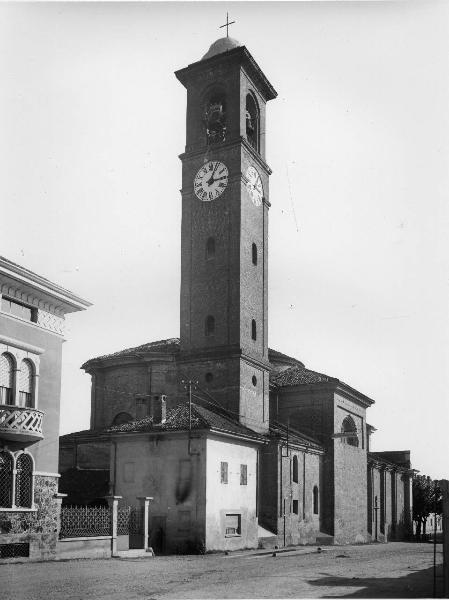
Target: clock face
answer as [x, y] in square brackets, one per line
[254, 186]
[211, 180]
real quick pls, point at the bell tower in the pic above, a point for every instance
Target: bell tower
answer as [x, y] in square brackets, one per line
[225, 230]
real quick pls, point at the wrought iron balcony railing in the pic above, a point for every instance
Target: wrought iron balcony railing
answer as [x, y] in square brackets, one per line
[20, 424]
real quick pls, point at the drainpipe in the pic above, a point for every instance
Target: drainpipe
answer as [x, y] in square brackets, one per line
[304, 485]
[284, 524]
[257, 481]
[114, 485]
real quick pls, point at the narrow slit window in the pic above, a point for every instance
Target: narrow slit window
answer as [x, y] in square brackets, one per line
[210, 325]
[295, 469]
[254, 254]
[315, 500]
[253, 330]
[210, 248]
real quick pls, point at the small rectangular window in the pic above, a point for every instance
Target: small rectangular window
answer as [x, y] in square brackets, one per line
[233, 525]
[18, 309]
[295, 507]
[243, 474]
[224, 472]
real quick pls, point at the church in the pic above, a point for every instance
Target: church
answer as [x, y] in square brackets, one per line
[237, 445]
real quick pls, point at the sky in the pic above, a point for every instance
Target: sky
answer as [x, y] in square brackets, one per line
[93, 121]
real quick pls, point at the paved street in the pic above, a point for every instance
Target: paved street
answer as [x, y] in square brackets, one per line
[395, 570]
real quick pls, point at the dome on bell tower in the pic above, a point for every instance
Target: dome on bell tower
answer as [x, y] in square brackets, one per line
[222, 45]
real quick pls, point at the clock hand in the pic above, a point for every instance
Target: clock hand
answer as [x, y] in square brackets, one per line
[211, 180]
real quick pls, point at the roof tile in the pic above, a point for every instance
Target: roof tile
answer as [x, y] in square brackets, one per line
[299, 376]
[178, 420]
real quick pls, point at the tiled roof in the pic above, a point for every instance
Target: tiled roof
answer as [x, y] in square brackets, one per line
[299, 376]
[276, 356]
[169, 346]
[68, 437]
[295, 436]
[172, 346]
[399, 459]
[178, 420]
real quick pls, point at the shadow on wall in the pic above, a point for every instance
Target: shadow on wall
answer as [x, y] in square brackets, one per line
[184, 481]
[418, 584]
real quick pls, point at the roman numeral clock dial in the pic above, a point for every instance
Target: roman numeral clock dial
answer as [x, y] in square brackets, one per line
[254, 186]
[211, 180]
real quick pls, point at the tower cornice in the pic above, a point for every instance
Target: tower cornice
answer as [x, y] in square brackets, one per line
[210, 151]
[239, 55]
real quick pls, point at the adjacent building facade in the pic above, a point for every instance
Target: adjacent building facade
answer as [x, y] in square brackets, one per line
[32, 313]
[298, 438]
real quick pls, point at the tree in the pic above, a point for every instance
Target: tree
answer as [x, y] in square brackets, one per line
[426, 500]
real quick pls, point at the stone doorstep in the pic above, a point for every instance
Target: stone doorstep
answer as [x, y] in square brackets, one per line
[135, 553]
[324, 539]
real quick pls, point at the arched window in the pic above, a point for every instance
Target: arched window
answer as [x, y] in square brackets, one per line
[6, 379]
[253, 330]
[215, 118]
[24, 481]
[209, 325]
[254, 253]
[6, 471]
[121, 418]
[295, 469]
[252, 122]
[315, 500]
[26, 384]
[210, 248]
[347, 428]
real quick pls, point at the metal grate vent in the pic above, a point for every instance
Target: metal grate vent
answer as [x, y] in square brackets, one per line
[14, 550]
[6, 467]
[24, 481]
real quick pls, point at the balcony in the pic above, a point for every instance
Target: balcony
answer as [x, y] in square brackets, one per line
[20, 424]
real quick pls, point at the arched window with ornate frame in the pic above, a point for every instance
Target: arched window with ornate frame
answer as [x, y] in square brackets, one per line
[26, 383]
[7, 369]
[24, 480]
[16, 480]
[6, 478]
[252, 122]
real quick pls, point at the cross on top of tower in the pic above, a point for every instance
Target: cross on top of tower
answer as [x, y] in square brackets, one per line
[227, 25]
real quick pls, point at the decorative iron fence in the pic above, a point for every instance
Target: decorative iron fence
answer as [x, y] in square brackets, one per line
[130, 520]
[85, 521]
